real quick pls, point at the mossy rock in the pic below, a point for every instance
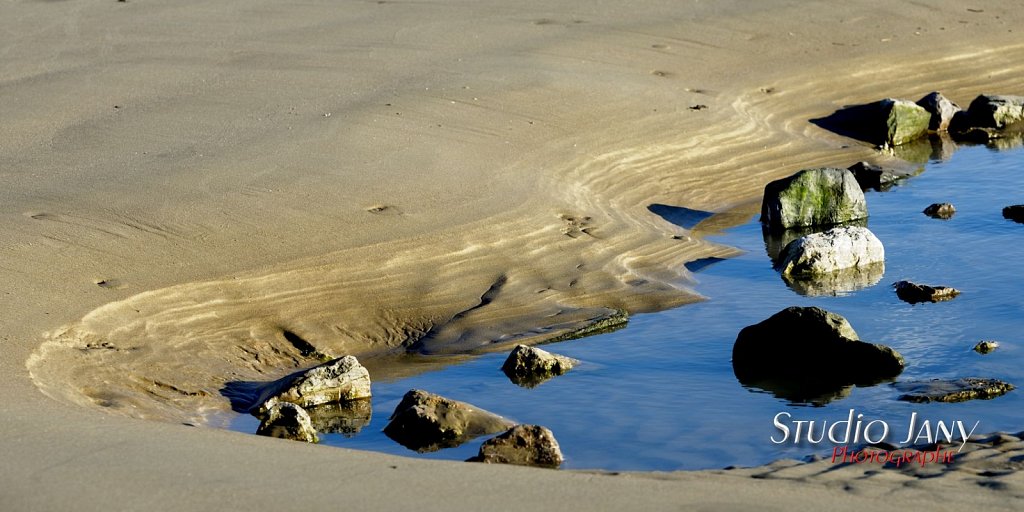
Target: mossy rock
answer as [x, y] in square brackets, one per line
[813, 197]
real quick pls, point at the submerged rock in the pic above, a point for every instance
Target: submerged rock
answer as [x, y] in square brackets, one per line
[956, 390]
[813, 197]
[810, 349]
[986, 346]
[831, 251]
[1014, 213]
[530, 366]
[286, 420]
[940, 211]
[914, 293]
[426, 422]
[523, 445]
[941, 110]
[873, 177]
[334, 381]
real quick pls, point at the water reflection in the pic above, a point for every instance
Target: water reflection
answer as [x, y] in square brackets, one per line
[836, 283]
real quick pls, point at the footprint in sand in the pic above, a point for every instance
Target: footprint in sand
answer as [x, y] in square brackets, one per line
[110, 284]
[384, 209]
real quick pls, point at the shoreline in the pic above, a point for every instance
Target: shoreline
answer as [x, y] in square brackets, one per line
[577, 228]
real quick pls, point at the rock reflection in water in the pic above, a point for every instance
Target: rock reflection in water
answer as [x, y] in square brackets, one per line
[836, 283]
[800, 392]
[346, 418]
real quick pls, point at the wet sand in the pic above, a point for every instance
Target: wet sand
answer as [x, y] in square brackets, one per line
[191, 187]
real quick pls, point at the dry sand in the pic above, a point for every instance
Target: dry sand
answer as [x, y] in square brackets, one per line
[186, 182]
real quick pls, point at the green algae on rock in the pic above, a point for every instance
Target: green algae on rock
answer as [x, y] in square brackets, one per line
[813, 197]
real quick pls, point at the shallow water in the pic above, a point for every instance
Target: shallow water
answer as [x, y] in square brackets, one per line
[661, 394]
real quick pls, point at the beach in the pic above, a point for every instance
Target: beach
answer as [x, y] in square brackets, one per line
[192, 186]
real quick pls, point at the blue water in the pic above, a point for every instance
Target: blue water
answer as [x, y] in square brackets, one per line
[661, 394]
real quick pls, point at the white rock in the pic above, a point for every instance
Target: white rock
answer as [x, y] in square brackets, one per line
[831, 251]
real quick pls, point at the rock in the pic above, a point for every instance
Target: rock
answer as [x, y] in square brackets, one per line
[334, 381]
[426, 422]
[914, 293]
[1014, 213]
[888, 122]
[940, 211]
[530, 366]
[940, 109]
[956, 390]
[999, 112]
[346, 418]
[811, 347]
[833, 250]
[286, 420]
[985, 346]
[873, 177]
[523, 445]
[813, 197]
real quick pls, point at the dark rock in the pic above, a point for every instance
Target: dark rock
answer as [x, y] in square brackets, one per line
[426, 422]
[957, 390]
[346, 418]
[874, 177]
[940, 211]
[812, 350]
[986, 346]
[530, 366]
[1014, 213]
[941, 110]
[286, 420]
[523, 445]
[914, 293]
[334, 381]
[813, 197]
[999, 112]
[888, 122]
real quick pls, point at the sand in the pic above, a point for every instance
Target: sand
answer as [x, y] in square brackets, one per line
[190, 185]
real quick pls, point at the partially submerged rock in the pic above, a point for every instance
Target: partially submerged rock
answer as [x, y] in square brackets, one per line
[887, 122]
[955, 390]
[996, 111]
[986, 346]
[811, 350]
[334, 381]
[941, 110]
[873, 177]
[813, 197]
[914, 293]
[426, 422]
[524, 445]
[940, 210]
[989, 117]
[530, 366]
[831, 251]
[1014, 213]
[286, 420]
